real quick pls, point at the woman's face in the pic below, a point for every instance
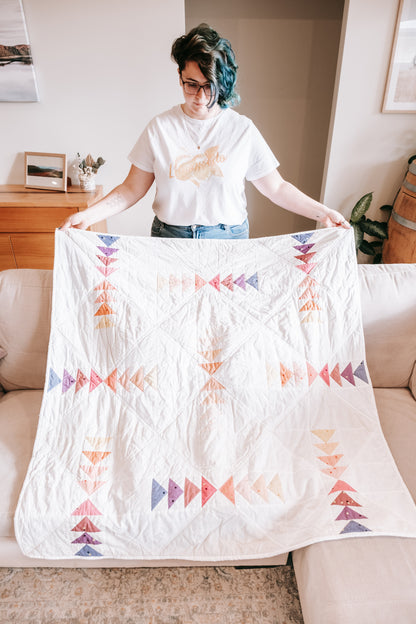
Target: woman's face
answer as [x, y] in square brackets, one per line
[196, 105]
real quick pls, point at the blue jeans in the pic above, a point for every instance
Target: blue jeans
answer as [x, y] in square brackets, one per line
[164, 230]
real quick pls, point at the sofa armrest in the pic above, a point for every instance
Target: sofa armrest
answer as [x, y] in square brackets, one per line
[388, 304]
[25, 309]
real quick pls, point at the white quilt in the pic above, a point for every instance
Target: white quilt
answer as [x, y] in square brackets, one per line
[205, 400]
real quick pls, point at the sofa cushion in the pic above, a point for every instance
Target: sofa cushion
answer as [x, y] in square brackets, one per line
[19, 412]
[24, 327]
[412, 381]
[358, 580]
[397, 411]
[388, 302]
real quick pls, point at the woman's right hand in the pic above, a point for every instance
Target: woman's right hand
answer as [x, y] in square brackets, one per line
[76, 220]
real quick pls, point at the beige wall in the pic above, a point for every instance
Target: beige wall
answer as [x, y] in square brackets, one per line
[103, 70]
[287, 54]
[368, 149]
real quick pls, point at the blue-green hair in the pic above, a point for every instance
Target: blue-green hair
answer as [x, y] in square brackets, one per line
[215, 58]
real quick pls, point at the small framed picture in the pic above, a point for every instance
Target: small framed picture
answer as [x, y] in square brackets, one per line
[45, 171]
[400, 93]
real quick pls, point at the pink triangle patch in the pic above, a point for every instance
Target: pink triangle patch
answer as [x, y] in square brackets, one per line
[191, 490]
[307, 268]
[199, 282]
[95, 380]
[228, 282]
[312, 374]
[324, 374]
[86, 509]
[207, 490]
[215, 282]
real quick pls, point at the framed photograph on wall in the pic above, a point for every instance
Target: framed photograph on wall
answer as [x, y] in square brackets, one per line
[45, 171]
[400, 93]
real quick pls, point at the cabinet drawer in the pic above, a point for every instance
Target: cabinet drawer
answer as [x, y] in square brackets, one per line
[33, 251]
[7, 260]
[33, 219]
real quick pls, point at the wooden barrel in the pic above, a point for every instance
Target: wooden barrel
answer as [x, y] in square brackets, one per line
[401, 243]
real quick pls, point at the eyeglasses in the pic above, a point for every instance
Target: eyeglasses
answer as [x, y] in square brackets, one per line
[192, 88]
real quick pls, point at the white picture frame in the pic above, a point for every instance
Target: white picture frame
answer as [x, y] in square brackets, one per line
[45, 171]
[400, 91]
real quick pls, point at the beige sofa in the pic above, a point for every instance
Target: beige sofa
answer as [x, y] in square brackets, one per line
[356, 580]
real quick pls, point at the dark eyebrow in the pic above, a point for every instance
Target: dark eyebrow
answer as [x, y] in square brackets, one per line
[196, 82]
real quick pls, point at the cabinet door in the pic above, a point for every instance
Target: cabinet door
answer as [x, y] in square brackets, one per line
[33, 251]
[7, 260]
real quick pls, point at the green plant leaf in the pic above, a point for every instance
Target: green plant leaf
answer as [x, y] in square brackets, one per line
[361, 207]
[358, 235]
[377, 259]
[374, 228]
[366, 248]
[386, 207]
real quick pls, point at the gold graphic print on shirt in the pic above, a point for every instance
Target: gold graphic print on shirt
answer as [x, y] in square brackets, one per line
[197, 168]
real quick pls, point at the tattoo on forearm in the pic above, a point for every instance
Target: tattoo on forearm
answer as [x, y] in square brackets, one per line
[115, 200]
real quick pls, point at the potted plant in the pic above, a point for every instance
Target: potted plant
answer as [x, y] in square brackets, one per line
[362, 226]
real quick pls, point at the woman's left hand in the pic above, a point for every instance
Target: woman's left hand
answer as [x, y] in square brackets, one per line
[333, 218]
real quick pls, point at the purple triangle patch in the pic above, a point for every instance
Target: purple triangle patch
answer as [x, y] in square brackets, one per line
[174, 492]
[304, 248]
[241, 281]
[303, 237]
[158, 492]
[54, 380]
[354, 527]
[361, 373]
[67, 381]
[107, 251]
[348, 514]
[85, 538]
[348, 374]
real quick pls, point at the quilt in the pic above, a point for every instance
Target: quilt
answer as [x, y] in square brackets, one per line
[206, 400]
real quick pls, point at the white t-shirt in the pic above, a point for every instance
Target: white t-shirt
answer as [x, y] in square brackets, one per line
[200, 165]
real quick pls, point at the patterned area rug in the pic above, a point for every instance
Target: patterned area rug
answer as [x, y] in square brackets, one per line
[204, 595]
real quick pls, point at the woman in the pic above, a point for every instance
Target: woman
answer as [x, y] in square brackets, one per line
[200, 153]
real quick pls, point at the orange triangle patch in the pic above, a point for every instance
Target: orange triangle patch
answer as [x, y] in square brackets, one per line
[323, 434]
[228, 490]
[244, 489]
[104, 309]
[91, 486]
[104, 322]
[259, 486]
[96, 457]
[138, 379]
[124, 380]
[211, 367]
[330, 460]
[111, 380]
[285, 374]
[105, 285]
[212, 384]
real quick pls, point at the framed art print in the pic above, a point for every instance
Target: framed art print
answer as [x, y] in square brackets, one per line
[400, 93]
[45, 171]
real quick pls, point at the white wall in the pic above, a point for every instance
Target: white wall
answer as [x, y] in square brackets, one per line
[287, 56]
[103, 70]
[368, 149]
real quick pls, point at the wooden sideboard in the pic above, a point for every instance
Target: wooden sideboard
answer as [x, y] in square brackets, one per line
[28, 219]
